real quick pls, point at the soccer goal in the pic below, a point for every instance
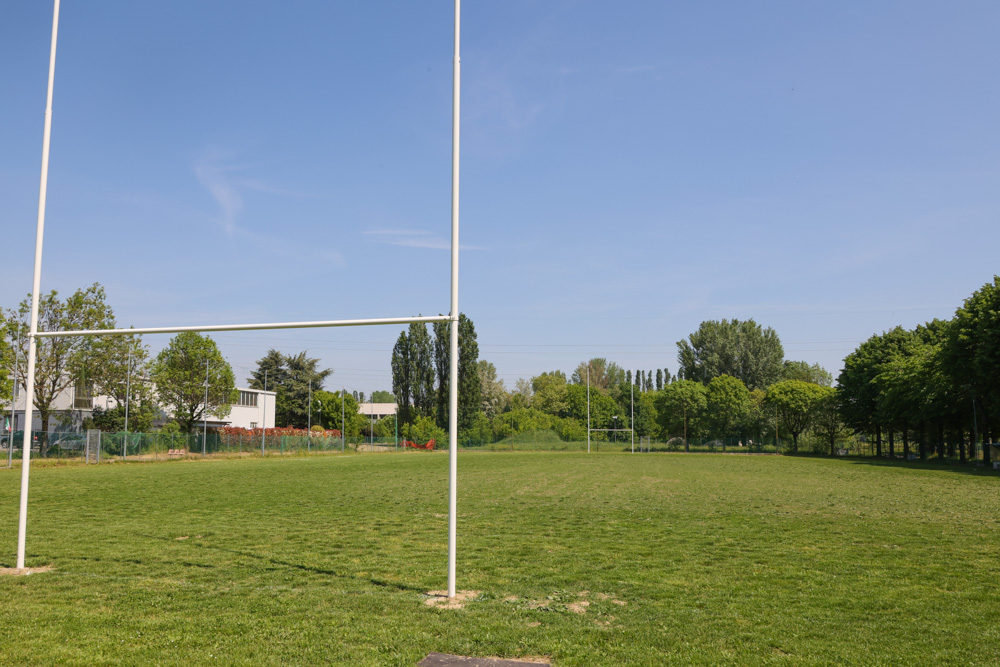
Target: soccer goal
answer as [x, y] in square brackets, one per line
[452, 317]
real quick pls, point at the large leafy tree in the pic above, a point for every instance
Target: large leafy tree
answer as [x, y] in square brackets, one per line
[802, 370]
[290, 377]
[119, 366]
[7, 371]
[797, 403]
[603, 374]
[827, 423]
[741, 349]
[729, 405]
[972, 348]
[60, 363]
[494, 396]
[681, 408]
[602, 407]
[180, 372]
[859, 393]
[336, 410]
[549, 393]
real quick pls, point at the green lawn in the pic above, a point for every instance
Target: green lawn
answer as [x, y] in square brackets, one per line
[683, 559]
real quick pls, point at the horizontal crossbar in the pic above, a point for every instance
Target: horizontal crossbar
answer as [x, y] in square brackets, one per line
[247, 327]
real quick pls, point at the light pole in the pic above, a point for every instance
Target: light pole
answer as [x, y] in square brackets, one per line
[13, 404]
[204, 415]
[263, 419]
[309, 417]
[128, 381]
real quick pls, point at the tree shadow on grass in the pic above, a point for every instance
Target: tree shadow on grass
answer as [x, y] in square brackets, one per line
[974, 469]
[380, 583]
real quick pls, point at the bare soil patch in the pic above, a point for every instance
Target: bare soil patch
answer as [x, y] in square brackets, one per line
[441, 600]
[24, 571]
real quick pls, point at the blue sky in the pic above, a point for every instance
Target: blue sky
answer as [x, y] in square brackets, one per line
[628, 170]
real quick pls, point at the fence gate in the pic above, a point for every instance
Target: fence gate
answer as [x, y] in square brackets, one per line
[92, 453]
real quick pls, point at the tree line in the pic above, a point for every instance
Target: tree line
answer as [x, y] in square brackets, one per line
[934, 387]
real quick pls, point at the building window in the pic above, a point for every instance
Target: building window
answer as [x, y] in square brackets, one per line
[81, 396]
[253, 425]
[248, 398]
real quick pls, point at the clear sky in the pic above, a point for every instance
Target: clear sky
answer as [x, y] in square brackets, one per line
[629, 169]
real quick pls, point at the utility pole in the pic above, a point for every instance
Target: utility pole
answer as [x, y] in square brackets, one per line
[309, 418]
[343, 424]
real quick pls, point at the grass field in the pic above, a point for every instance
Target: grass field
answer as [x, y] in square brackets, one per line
[680, 559]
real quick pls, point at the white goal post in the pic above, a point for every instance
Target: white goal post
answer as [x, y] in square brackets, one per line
[631, 419]
[452, 317]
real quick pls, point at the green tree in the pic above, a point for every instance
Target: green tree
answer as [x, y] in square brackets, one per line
[859, 393]
[180, 372]
[796, 402]
[289, 376]
[801, 370]
[743, 350]
[380, 396]
[972, 348]
[421, 370]
[550, 393]
[604, 374]
[60, 363]
[328, 406]
[7, 370]
[729, 405]
[646, 416]
[402, 377]
[119, 366]
[494, 396]
[827, 421]
[602, 407]
[681, 408]
[469, 390]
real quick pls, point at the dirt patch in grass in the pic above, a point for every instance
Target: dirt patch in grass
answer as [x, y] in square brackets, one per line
[23, 571]
[440, 599]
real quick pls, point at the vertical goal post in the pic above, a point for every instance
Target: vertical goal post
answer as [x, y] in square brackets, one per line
[452, 317]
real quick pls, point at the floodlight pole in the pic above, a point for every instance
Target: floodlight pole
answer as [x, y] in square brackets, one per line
[29, 389]
[632, 418]
[309, 426]
[453, 373]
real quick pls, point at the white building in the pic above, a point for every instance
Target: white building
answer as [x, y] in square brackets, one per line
[253, 409]
[376, 411]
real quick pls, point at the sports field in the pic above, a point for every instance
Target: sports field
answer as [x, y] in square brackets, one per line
[600, 559]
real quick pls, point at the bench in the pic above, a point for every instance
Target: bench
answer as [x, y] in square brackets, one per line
[177, 452]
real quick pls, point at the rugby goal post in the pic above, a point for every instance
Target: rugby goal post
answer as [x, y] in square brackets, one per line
[452, 317]
[631, 422]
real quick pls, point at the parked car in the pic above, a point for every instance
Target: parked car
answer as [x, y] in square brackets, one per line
[68, 441]
[18, 439]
